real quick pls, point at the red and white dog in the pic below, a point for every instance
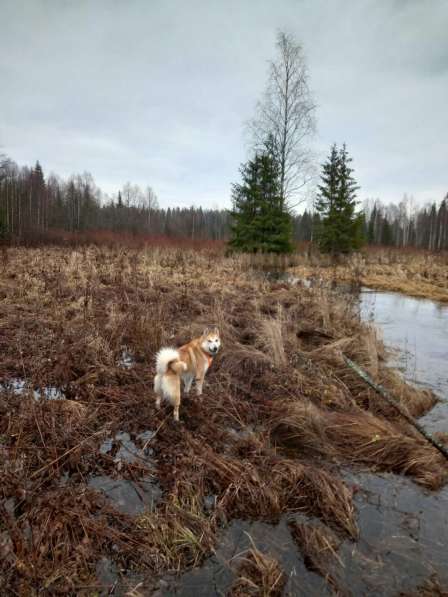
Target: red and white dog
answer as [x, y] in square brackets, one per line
[187, 363]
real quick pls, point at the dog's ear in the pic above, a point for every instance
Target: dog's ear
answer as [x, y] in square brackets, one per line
[215, 331]
[206, 332]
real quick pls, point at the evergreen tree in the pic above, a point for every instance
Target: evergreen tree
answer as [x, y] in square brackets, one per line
[3, 227]
[37, 207]
[303, 226]
[386, 233]
[341, 229]
[260, 221]
[371, 227]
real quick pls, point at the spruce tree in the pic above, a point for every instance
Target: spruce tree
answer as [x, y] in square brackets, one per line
[341, 228]
[386, 233]
[371, 227]
[260, 220]
[3, 227]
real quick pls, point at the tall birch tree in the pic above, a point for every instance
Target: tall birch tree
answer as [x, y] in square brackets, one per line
[285, 118]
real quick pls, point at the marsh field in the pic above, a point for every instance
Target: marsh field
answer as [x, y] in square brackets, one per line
[100, 493]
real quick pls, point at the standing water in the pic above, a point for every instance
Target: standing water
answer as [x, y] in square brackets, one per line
[416, 331]
[408, 532]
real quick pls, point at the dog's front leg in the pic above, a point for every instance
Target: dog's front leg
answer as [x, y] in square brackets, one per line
[187, 383]
[200, 374]
[199, 384]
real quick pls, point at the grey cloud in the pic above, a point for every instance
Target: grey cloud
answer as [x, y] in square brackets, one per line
[157, 92]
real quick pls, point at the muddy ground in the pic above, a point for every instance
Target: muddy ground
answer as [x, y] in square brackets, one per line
[102, 494]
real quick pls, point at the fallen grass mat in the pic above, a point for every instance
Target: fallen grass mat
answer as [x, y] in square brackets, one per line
[358, 438]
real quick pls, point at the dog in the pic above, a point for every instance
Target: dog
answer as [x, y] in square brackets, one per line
[187, 363]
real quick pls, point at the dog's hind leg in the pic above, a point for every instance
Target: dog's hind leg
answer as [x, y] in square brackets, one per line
[158, 390]
[176, 401]
[171, 390]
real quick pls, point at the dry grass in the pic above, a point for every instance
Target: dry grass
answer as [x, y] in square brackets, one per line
[280, 410]
[431, 588]
[358, 438]
[180, 533]
[417, 273]
[259, 575]
[318, 547]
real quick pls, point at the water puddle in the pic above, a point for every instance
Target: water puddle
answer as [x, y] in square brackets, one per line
[126, 359]
[121, 583]
[403, 536]
[219, 572]
[123, 449]
[129, 497]
[400, 546]
[20, 387]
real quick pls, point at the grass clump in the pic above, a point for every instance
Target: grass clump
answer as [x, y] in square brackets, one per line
[259, 575]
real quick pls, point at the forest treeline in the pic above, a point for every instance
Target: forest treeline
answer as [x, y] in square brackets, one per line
[32, 204]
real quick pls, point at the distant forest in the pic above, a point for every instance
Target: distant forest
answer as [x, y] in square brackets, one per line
[31, 205]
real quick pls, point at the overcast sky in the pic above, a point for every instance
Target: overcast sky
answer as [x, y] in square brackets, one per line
[157, 91]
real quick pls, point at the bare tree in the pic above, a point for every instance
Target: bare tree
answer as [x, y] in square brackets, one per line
[132, 194]
[285, 118]
[150, 204]
[151, 201]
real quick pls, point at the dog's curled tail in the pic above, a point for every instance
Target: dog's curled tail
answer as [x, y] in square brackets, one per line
[169, 358]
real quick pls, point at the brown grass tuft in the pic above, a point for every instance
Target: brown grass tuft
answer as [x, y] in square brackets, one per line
[259, 575]
[318, 546]
[358, 438]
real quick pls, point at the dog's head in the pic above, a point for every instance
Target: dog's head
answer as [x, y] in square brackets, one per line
[210, 340]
